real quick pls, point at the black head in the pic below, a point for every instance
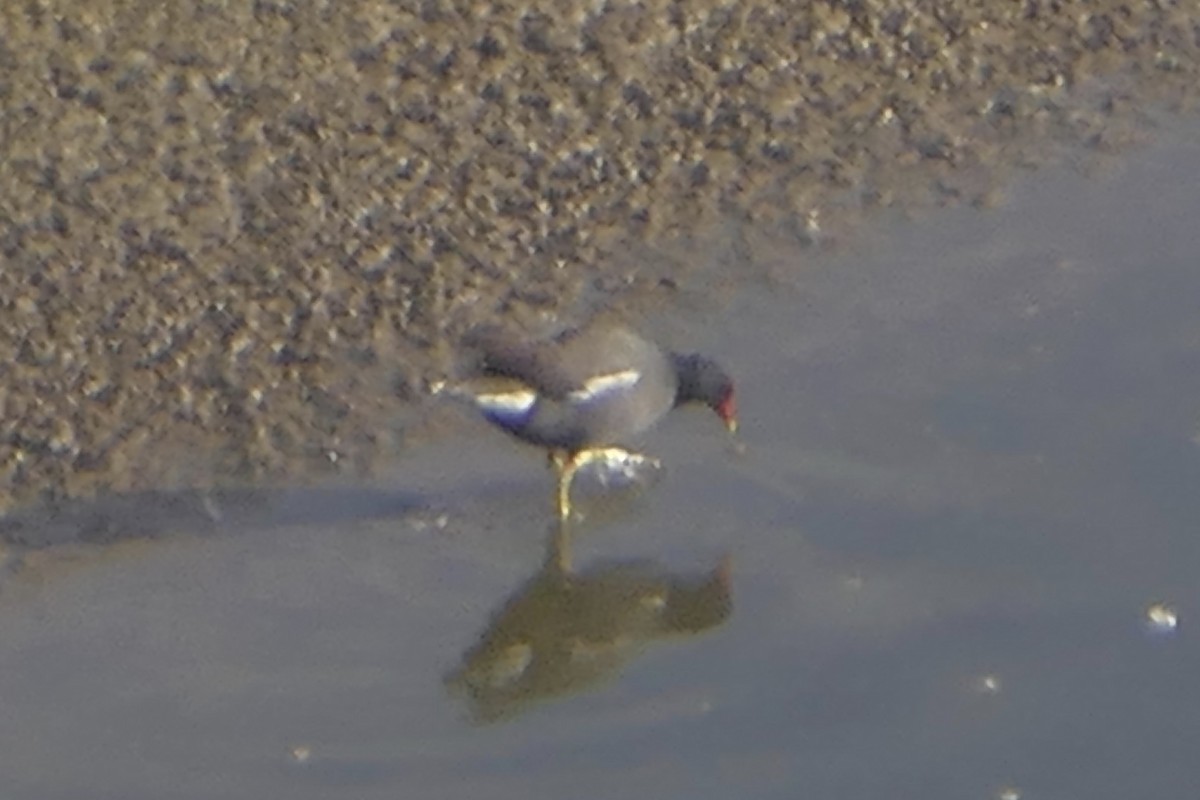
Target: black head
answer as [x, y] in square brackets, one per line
[701, 380]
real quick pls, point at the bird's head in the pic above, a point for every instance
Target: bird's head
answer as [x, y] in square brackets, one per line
[701, 380]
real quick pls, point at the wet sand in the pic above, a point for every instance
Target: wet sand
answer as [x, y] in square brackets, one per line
[239, 240]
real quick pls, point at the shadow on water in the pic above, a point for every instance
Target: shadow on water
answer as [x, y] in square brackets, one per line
[153, 514]
[156, 514]
[67, 530]
[565, 631]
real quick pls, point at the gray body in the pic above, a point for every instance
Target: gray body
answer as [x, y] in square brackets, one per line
[588, 388]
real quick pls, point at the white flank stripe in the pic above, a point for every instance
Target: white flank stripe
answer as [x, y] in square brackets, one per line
[506, 403]
[602, 384]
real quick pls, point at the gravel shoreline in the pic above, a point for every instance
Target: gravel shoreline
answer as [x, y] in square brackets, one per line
[238, 241]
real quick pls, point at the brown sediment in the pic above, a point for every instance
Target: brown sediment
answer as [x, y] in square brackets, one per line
[238, 239]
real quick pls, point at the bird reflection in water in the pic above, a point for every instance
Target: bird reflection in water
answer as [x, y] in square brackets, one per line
[566, 631]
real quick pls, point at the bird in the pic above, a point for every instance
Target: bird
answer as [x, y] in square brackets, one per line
[583, 394]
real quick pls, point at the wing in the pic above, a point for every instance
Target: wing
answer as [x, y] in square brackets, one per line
[578, 364]
[501, 353]
[598, 386]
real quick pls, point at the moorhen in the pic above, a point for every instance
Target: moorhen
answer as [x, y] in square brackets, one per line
[585, 392]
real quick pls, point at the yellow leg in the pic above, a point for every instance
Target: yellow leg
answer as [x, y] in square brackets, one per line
[564, 468]
[558, 548]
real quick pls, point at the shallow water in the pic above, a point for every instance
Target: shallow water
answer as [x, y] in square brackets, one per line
[970, 469]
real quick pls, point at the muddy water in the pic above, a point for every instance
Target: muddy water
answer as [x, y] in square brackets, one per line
[970, 470]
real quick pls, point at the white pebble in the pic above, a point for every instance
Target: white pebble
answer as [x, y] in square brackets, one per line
[988, 684]
[1161, 618]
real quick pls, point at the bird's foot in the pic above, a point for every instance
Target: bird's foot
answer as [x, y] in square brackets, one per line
[611, 466]
[620, 467]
